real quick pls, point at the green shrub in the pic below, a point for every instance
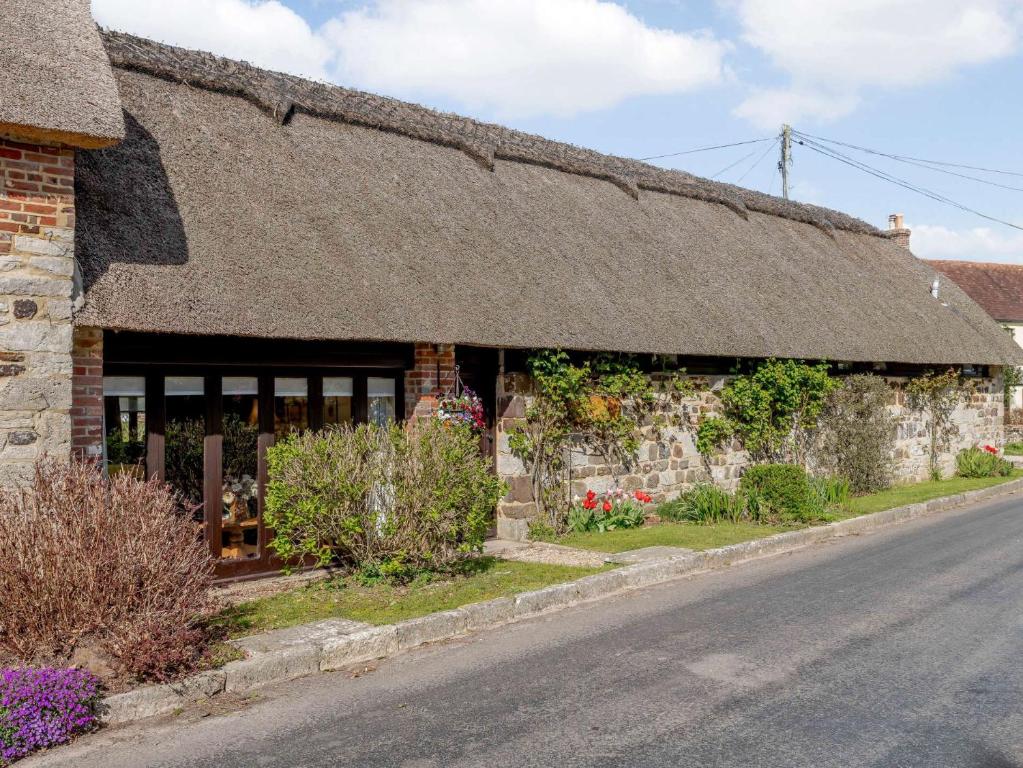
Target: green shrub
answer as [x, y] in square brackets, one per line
[1013, 449]
[540, 530]
[703, 503]
[785, 489]
[405, 501]
[774, 410]
[975, 462]
[857, 434]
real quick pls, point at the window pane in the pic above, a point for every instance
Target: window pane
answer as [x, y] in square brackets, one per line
[185, 430]
[239, 533]
[381, 400]
[337, 399]
[124, 413]
[291, 405]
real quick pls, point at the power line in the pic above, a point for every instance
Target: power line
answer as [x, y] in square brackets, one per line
[920, 163]
[758, 161]
[885, 176]
[730, 166]
[707, 149]
[915, 159]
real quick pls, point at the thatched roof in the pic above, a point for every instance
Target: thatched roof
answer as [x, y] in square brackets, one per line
[998, 288]
[257, 204]
[57, 85]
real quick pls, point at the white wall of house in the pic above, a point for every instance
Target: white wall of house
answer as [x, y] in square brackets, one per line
[1017, 334]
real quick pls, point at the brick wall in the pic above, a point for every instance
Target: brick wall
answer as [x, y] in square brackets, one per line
[432, 374]
[87, 394]
[37, 216]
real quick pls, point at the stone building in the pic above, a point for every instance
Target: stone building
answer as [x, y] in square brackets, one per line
[197, 256]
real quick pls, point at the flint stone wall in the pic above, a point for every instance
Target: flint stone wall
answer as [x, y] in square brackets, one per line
[669, 463]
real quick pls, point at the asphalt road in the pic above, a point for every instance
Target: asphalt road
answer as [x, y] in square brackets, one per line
[902, 648]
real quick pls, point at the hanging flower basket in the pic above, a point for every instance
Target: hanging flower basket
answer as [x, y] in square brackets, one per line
[462, 409]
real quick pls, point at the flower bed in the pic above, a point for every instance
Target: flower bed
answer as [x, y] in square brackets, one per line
[42, 708]
[609, 511]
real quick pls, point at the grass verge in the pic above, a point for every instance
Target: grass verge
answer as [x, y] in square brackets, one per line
[480, 579]
[913, 493]
[688, 535]
[699, 536]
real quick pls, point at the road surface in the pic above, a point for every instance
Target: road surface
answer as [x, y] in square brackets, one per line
[901, 648]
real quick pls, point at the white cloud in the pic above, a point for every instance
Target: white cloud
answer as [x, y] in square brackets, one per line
[771, 107]
[934, 241]
[266, 33]
[520, 57]
[512, 57]
[833, 51]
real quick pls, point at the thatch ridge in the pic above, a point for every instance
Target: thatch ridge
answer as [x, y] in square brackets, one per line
[281, 95]
[57, 85]
[211, 218]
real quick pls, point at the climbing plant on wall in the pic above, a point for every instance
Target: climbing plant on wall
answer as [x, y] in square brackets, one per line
[935, 396]
[773, 411]
[597, 404]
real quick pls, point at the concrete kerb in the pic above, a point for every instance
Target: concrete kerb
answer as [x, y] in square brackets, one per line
[325, 652]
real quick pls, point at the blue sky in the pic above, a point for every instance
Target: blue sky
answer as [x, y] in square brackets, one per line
[936, 79]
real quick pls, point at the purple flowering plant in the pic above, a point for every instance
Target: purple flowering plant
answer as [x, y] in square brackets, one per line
[44, 707]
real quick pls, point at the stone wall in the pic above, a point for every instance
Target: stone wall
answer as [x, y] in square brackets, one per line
[669, 462]
[980, 422]
[36, 287]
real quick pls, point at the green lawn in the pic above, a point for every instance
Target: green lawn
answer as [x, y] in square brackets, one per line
[1013, 449]
[482, 579]
[698, 536]
[913, 493]
[689, 535]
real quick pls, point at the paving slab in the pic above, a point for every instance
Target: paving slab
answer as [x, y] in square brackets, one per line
[542, 552]
[317, 633]
[646, 554]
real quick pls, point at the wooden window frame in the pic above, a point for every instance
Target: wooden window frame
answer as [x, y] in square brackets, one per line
[155, 375]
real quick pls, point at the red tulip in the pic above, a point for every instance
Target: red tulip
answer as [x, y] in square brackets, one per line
[607, 506]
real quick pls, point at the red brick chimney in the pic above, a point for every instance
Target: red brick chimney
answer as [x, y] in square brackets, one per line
[897, 230]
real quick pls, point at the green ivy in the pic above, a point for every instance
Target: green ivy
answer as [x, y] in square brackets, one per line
[772, 411]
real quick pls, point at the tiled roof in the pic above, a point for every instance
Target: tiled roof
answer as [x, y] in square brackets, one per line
[998, 288]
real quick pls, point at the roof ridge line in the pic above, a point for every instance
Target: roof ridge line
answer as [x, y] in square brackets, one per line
[280, 95]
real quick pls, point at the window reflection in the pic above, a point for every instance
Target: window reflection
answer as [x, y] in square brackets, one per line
[291, 405]
[381, 400]
[185, 431]
[124, 413]
[337, 399]
[240, 503]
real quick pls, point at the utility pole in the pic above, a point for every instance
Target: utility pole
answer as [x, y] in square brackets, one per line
[786, 158]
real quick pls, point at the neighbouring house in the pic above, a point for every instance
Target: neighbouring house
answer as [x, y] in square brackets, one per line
[998, 288]
[197, 256]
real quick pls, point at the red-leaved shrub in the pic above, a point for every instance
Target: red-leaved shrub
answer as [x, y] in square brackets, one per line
[111, 564]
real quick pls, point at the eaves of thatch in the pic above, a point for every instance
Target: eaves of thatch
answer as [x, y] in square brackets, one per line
[252, 203]
[56, 86]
